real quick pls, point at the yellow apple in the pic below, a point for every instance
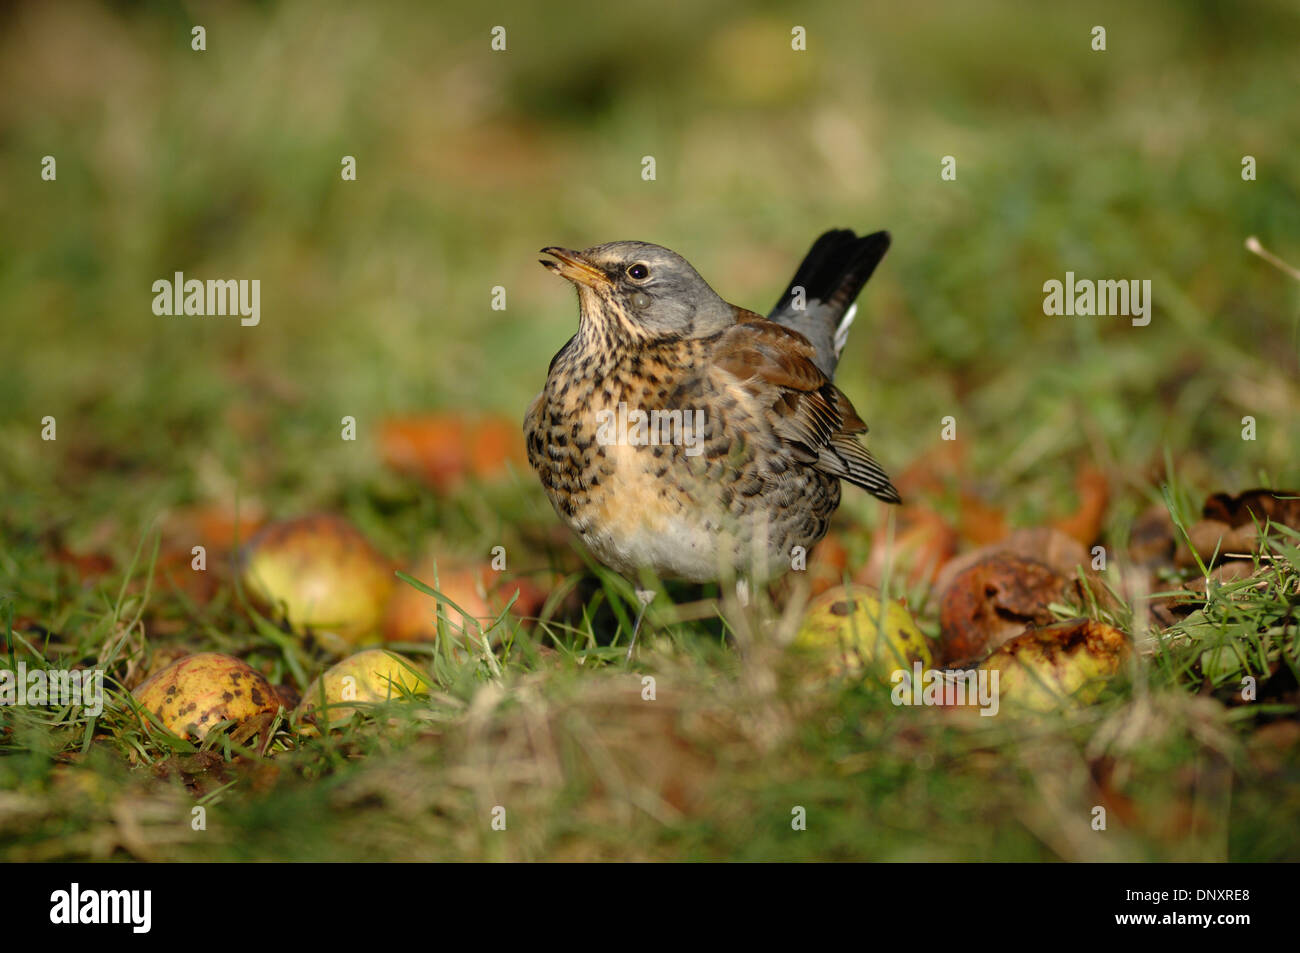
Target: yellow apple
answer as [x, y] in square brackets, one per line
[194, 693]
[321, 576]
[852, 631]
[369, 677]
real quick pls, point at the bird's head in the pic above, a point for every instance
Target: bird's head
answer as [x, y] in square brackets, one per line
[640, 292]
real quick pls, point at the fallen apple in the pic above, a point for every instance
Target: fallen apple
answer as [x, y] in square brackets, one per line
[369, 677]
[993, 600]
[852, 631]
[194, 693]
[321, 576]
[1068, 663]
[160, 658]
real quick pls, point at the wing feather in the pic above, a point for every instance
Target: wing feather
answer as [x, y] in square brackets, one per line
[776, 366]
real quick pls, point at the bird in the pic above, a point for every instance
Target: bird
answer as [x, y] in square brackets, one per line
[687, 437]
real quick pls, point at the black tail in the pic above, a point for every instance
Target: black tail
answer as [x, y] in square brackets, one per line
[831, 276]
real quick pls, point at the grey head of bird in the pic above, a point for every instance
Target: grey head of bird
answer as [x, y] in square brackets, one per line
[638, 292]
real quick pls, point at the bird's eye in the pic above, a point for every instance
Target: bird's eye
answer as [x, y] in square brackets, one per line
[638, 272]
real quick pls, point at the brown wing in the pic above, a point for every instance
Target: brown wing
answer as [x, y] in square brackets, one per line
[774, 364]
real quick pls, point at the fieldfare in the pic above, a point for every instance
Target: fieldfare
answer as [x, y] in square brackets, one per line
[680, 434]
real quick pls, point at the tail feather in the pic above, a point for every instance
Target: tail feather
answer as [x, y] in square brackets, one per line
[831, 276]
[842, 331]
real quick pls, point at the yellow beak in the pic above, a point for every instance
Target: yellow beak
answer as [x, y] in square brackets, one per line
[570, 264]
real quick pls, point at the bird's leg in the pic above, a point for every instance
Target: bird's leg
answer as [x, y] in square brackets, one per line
[645, 597]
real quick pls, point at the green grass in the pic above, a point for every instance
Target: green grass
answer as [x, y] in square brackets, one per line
[376, 301]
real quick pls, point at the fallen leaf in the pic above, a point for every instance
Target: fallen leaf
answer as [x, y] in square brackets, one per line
[88, 566]
[827, 564]
[1214, 541]
[444, 449]
[980, 522]
[214, 525]
[922, 547]
[1153, 539]
[175, 567]
[1084, 524]
[1252, 506]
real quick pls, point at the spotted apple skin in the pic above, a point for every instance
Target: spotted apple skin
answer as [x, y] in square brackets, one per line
[198, 691]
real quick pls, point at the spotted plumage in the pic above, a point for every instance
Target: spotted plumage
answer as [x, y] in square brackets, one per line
[754, 469]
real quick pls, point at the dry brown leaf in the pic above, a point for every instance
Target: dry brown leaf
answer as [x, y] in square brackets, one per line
[827, 564]
[1084, 524]
[444, 449]
[1252, 506]
[918, 553]
[1213, 541]
[1153, 540]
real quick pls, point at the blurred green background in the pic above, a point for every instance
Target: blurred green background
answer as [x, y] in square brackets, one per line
[376, 293]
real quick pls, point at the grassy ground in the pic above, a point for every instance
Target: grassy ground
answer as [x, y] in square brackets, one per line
[376, 300]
